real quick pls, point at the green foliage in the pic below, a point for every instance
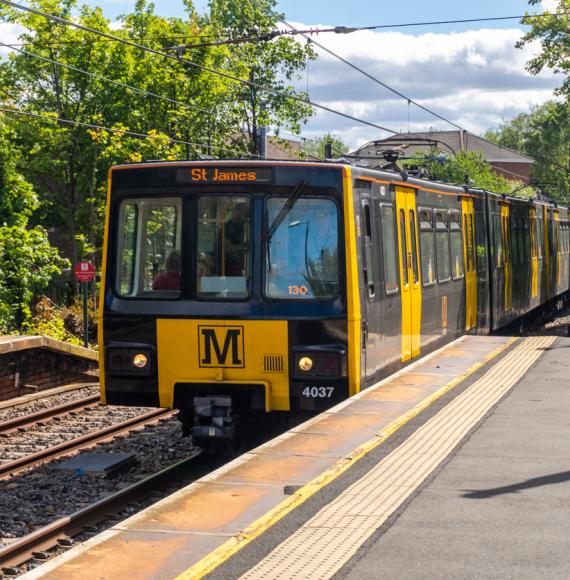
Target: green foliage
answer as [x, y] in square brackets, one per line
[27, 265]
[17, 197]
[47, 320]
[470, 167]
[316, 147]
[543, 134]
[553, 33]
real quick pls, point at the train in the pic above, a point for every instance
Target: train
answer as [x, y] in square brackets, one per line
[246, 291]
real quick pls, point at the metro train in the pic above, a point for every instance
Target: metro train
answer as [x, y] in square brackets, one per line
[239, 290]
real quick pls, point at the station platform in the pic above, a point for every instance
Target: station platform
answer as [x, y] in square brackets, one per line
[457, 466]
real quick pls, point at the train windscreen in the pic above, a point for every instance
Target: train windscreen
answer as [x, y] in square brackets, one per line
[302, 260]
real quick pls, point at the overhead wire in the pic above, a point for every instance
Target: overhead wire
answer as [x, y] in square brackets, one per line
[350, 29]
[283, 94]
[336, 29]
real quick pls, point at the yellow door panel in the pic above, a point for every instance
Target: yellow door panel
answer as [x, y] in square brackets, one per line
[232, 351]
[533, 254]
[546, 250]
[508, 266]
[556, 236]
[410, 279]
[468, 226]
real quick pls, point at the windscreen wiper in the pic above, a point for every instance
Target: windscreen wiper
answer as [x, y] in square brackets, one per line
[287, 207]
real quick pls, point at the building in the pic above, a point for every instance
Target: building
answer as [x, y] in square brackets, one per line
[504, 161]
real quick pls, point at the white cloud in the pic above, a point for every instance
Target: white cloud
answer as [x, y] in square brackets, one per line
[550, 5]
[9, 33]
[476, 78]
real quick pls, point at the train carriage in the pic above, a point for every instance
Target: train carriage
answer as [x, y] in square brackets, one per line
[234, 289]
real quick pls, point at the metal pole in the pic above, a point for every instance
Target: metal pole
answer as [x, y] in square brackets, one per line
[85, 315]
[263, 136]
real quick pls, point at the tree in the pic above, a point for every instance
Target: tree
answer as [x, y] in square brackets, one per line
[470, 166]
[316, 147]
[553, 32]
[272, 64]
[544, 135]
[27, 261]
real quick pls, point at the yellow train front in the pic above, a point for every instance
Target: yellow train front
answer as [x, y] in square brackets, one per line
[225, 291]
[238, 290]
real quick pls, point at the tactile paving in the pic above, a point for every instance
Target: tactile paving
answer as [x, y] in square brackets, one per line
[326, 542]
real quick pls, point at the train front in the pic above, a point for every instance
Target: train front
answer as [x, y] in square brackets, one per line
[225, 291]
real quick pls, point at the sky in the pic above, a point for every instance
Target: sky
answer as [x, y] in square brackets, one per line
[471, 73]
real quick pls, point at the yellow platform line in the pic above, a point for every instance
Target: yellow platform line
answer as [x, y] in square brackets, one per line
[221, 554]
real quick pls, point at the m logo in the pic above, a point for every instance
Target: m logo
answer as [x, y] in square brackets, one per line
[221, 346]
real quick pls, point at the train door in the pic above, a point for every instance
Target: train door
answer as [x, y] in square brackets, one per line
[533, 254]
[506, 232]
[469, 261]
[547, 249]
[409, 272]
[556, 242]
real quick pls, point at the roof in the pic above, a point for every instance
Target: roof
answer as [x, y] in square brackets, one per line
[449, 141]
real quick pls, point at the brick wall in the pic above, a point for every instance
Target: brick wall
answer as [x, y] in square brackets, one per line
[42, 368]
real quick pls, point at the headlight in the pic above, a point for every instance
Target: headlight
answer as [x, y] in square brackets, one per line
[140, 360]
[306, 363]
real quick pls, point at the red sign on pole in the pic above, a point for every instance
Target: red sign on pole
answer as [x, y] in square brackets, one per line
[84, 272]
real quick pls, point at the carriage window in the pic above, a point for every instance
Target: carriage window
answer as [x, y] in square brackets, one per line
[403, 248]
[389, 249]
[414, 243]
[526, 235]
[223, 269]
[148, 261]
[516, 238]
[302, 254]
[442, 246]
[506, 239]
[456, 245]
[481, 246]
[498, 235]
[427, 247]
[127, 244]
[549, 233]
[368, 250]
[540, 236]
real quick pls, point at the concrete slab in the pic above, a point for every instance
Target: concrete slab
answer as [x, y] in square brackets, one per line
[105, 464]
[230, 508]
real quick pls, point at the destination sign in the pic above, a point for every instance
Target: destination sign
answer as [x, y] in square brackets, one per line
[224, 175]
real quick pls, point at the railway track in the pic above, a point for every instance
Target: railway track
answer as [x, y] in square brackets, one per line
[32, 419]
[60, 531]
[75, 444]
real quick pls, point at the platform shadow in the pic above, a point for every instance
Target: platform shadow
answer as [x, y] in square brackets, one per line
[552, 479]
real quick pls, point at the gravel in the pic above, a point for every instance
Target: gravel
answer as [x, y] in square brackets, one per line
[60, 429]
[47, 402]
[37, 497]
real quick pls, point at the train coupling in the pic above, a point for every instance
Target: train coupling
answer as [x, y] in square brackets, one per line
[214, 418]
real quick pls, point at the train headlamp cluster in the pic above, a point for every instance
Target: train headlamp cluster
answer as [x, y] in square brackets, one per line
[324, 362]
[135, 360]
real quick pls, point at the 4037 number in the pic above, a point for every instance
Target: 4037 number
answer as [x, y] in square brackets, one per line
[318, 392]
